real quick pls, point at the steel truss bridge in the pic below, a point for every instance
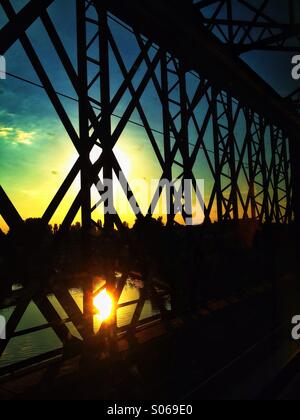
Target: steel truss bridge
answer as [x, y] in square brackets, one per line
[215, 111]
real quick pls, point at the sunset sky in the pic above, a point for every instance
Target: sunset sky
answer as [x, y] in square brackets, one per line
[35, 152]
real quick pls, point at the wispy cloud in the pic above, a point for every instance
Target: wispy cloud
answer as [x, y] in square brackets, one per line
[5, 131]
[24, 137]
[17, 136]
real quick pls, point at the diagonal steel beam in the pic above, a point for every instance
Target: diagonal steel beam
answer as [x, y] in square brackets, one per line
[16, 27]
[182, 34]
[98, 127]
[44, 78]
[8, 211]
[290, 32]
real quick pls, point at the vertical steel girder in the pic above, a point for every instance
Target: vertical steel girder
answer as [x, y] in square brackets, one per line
[237, 149]
[84, 138]
[245, 26]
[247, 157]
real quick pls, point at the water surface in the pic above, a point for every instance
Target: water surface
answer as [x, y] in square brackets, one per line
[35, 344]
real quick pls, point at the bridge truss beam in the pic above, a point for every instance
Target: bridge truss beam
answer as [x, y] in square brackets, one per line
[217, 114]
[247, 27]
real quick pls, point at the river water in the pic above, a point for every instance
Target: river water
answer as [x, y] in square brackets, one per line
[35, 344]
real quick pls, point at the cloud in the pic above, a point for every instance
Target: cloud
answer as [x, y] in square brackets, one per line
[24, 138]
[17, 136]
[5, 131]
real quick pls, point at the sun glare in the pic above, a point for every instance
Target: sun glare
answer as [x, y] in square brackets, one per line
[122, 157]
[103, 302]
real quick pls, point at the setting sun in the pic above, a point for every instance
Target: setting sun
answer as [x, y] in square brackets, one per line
[103, 302]
[122, 157]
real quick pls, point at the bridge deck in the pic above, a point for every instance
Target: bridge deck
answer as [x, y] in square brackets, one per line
[148, 370]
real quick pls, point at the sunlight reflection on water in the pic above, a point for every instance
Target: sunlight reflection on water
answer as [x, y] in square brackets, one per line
[35, 344]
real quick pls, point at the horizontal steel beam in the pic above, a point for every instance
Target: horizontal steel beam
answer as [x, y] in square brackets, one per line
[290, 32]
[12, 31]
[178, 29]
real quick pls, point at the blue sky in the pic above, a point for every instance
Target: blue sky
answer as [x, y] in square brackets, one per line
[35, 153]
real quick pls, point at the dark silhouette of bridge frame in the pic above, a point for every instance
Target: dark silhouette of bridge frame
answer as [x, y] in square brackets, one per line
[184, 40]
